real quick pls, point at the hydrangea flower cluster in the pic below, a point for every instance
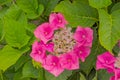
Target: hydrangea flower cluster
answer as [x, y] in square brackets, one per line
[58, 47]
[110, 63]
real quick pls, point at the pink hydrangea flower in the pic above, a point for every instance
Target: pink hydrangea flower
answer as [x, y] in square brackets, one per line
[116, 76]
[105, 61]
[84, 36]
[44, 32]
[82, 52]
[59, 48]
[57, 20]
[53, 66]
[69, 61]
[38, 52]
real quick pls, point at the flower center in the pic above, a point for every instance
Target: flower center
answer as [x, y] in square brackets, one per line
[83, 36]
[63, 41]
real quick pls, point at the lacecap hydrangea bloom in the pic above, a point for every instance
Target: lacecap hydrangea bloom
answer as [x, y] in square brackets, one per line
[60, 48]
[110, 63]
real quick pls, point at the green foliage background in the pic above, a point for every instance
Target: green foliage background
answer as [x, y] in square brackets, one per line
[19, 18]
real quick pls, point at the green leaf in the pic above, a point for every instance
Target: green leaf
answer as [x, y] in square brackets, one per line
[8, 57]
[109, 27]
[82, 77]
[41, 75]
[15, 13]
[27, 6]
[18, 76]
[50, 6]
[3, 11]
[74, 76]
[20, 62]
[2, 2]
[77, 13]
[116, 7]
[15, 33]
[31, 7]
[99, 3]
[1, 30]
[103, 75]
[62, 76]
[29, 70]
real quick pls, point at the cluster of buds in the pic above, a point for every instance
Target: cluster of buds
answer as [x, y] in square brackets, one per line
[60, 48]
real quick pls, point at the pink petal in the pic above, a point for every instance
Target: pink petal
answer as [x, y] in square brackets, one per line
[82, 52]
[38, 52]
[106, 61]
[57, 20]
[69, 61]
[44, 32]
[84, 36]
[53, 66]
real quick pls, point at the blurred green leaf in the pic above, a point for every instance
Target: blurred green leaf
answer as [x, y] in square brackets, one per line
[29, 70]
[116, 7]
[62, 76]
[18, 76]
[77, 13]
[21, 61]
[103, 75]
[82, 77]
[15, 33]
[8, 57]
[31, 7]
[74, 76]
[99, 3]
[1, 30]
[2, 2]
[109, 33]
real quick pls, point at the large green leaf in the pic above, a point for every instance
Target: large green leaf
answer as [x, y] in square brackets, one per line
[103, 75]
[62, 76]
[116, 7]
[8, 56]
[99, 3]
[2, 2]
[77, 13]
[1, 29]
[15, 33]
[30, 7]
[109, 32]
[29, 70]
[49, 5]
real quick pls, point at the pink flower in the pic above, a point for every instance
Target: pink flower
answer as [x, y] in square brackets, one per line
[82, 52]
[69, 61]
[38, 52]
[44, 32]
[84, 36]
[116, 76]
[105, 61]
[53, 66]
[57, 20]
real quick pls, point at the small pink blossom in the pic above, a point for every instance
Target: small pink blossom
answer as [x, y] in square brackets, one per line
[38, 52]
[105, 61]
[53, 66]
[69, 61]
[84, 36]
[57, 20]
[82, 52]
[116, 76]
[44, 32]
